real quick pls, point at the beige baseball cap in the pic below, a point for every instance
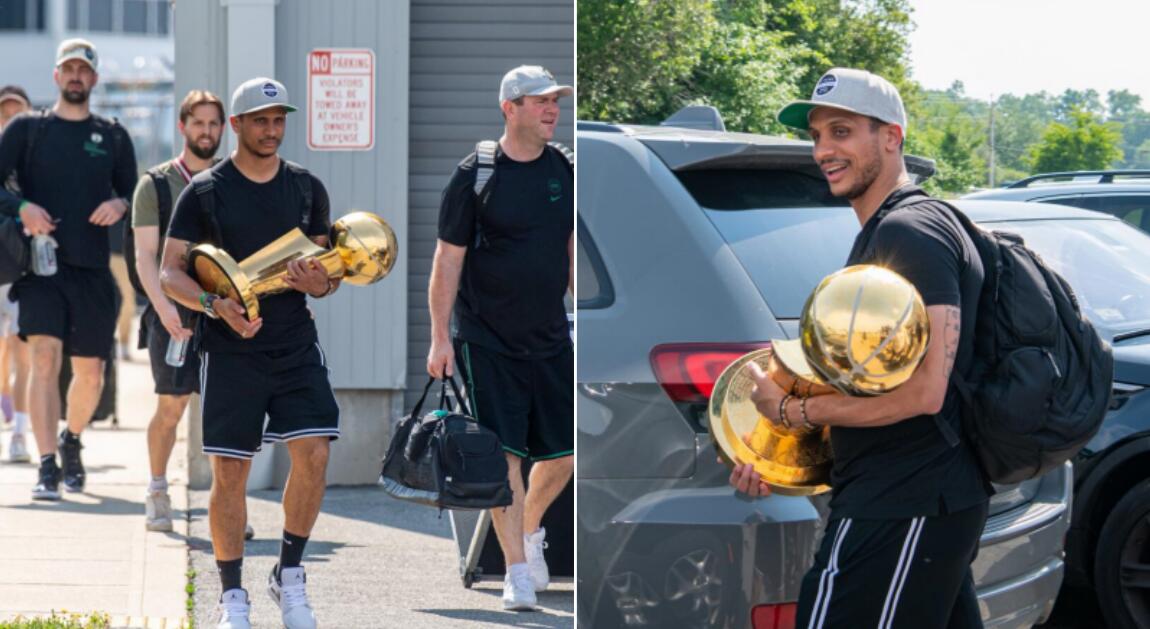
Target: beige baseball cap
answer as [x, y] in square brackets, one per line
[856, 91]
[77, 48]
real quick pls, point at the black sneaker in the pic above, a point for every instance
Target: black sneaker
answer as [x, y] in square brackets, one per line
[73, 467]
[49, 486]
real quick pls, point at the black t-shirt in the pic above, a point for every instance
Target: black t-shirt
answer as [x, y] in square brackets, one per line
[511, 290]
[75, 166]
[907, 469]
[250, 215]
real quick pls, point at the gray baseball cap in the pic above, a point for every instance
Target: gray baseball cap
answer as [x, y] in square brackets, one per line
[856, 91]
[77, 48]
[530, 81]
[259, 93]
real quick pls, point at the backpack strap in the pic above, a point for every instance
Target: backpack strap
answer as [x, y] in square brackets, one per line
[566, 152]
[302, 179]
[163, 198]
[486, 152]
[37, 122]
[205, 188]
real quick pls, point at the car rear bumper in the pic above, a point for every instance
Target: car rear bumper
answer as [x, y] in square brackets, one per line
[1020, 565]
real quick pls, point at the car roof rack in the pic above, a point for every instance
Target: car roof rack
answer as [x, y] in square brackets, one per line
[1103, 176]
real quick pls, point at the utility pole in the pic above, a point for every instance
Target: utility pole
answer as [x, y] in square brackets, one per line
[991, 141]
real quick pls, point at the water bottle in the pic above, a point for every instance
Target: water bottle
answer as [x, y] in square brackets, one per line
[177, 352]
[44, 255]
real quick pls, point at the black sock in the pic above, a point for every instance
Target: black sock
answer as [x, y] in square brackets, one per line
[230, 572]
[291, 552]
[70, 437]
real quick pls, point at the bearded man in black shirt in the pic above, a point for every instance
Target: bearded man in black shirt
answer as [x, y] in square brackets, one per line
[75, 171]
[271, 365]
[907, 508]
[508, 259]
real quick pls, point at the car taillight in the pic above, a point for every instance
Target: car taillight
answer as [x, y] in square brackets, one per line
[774, 616]
[688, 371]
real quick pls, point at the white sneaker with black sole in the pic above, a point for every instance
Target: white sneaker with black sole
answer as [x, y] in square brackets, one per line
[519, 591]
[234, 609]
[533, 546]
[289, 591]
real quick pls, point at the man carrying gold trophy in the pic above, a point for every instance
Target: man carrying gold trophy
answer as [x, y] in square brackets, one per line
[908, 504]
[269, 364]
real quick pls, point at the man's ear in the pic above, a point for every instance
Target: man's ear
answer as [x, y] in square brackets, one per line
[893, 137]
[235, 122]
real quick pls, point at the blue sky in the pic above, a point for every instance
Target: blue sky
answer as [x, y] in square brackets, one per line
[1024, 46]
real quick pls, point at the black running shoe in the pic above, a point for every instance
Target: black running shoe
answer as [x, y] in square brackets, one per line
[74, 476]
[49, 486]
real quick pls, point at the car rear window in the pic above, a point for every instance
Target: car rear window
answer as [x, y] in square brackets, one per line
[755, 189]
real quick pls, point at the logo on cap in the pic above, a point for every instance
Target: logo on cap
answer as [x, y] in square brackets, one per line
[826, 84]
[270, 90]
[89, 54]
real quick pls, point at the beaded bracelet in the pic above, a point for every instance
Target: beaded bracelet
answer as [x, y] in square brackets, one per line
[783, 410]
[803, 411]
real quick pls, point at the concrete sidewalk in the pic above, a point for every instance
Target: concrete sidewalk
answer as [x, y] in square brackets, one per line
[372, 561]
[90, 552]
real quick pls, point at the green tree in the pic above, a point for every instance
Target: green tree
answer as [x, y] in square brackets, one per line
[1084, 144]
[1122, 104]
[636, 57]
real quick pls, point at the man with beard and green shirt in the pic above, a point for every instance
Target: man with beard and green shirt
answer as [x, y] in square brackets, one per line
[75, 171]
[201, 123]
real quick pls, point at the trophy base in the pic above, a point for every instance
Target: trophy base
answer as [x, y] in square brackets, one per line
[219, 274]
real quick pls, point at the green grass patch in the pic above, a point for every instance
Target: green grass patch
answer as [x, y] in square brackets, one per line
[61, 620]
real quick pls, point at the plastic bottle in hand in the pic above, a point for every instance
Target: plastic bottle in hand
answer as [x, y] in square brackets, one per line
[44, 255]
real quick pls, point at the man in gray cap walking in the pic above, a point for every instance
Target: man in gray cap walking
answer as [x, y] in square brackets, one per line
[503, 262]
[909, 500]
[271, 365]
[75, 171]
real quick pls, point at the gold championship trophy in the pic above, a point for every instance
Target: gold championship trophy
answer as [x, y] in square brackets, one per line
[363, 250]
[863, 332]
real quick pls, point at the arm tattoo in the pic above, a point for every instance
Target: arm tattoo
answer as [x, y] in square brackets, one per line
[320, 240]
[950, 335]
[183, 263]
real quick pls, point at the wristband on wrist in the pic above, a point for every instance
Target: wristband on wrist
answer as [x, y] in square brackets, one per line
[803, 411]
[22, 204]
[783, 411]
[330, 290]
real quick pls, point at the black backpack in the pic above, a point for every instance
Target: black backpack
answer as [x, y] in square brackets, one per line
[1039, 386]
[445, 459]
[164, 208]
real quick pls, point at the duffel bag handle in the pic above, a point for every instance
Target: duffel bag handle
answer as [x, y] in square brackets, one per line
[419, 404]
[462, 401]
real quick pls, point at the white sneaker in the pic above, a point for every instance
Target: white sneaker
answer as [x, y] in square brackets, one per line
[290, 593]
[158, 511]
[18, 450]
[519, 592]
[533, 546]
[233, 609]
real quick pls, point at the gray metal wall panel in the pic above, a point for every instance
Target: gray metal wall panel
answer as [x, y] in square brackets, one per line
[459, 51]
[363, 329]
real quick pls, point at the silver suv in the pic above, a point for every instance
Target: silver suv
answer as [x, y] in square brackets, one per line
[1121, 193]
[695, 247]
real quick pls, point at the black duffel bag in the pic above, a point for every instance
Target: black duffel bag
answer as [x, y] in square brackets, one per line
[15, 253]
[445, 459]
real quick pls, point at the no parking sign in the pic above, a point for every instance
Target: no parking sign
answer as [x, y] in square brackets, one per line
[341, 99]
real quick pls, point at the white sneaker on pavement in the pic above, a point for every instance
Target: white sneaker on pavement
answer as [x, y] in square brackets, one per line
[18, 450]
[290, 593]
[158, 511]
[533, 546]
[518, 590]
[233, 609]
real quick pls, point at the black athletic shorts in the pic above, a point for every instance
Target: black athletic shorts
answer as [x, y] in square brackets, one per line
[289, 386]
[77, 305]
[169, 380]
[912, 574]
[528, 403]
